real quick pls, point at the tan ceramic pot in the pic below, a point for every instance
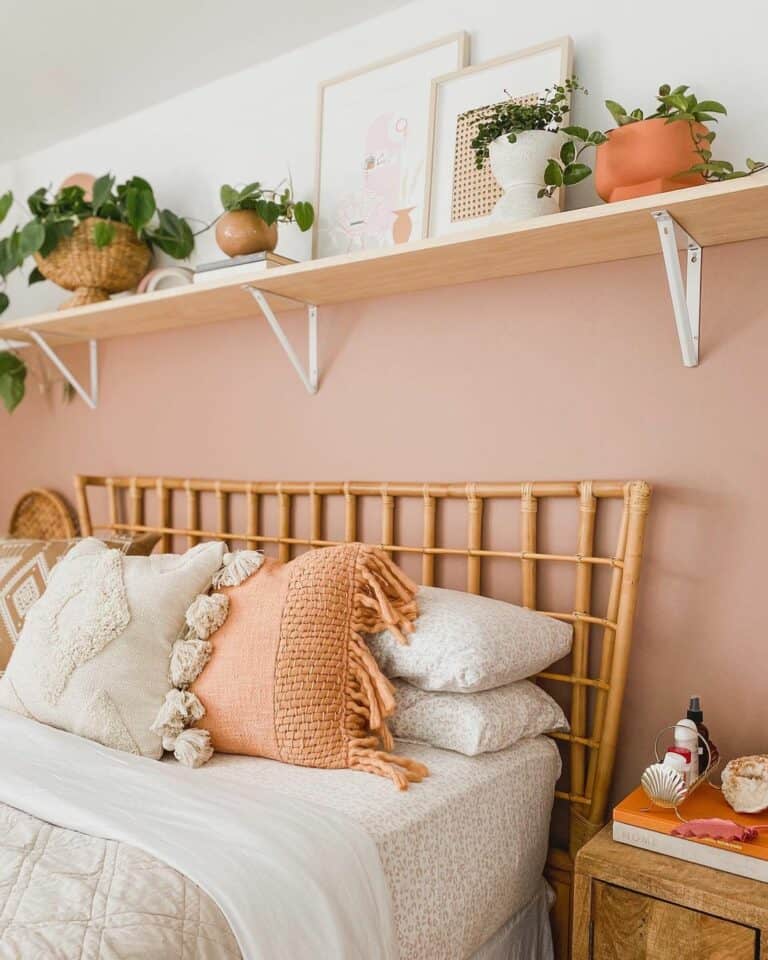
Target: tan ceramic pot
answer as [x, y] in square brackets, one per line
[92, 272]
[243, 231]
[645, 157]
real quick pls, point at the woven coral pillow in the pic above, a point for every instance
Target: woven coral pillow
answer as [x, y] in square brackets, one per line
[290, 676]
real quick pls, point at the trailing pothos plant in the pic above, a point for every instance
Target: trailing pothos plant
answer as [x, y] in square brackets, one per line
[272, 206]
[680, 105]
[55, 216]
[548, 113]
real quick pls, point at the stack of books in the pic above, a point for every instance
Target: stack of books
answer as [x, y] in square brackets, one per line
[637, 822]
[238, 268]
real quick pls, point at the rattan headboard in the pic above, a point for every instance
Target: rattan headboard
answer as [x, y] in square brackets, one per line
[408, 520]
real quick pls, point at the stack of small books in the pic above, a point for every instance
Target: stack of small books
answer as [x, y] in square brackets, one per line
[637, 822]
[238, 268]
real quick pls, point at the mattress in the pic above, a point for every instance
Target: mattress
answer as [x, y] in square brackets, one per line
[462, 853]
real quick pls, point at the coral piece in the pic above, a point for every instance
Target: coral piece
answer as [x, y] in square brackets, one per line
[745, 784]
[716, 829]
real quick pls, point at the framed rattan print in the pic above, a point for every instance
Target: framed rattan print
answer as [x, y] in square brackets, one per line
[372, 156]
[458, 196]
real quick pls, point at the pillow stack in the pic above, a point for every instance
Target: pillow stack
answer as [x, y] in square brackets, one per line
[461, 681]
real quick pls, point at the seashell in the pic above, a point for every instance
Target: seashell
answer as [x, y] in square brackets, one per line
[745, 784]
[663, 785]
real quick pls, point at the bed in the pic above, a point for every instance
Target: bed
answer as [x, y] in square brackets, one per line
[461, 855]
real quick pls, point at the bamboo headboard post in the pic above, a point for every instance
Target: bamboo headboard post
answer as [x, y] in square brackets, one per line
[594, 682]
[639, 495]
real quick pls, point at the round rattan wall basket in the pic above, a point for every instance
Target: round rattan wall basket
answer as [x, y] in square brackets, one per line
[92, 272]
[42, 515]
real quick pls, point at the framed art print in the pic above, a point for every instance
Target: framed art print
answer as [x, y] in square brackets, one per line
[458, 196]
[373, 141]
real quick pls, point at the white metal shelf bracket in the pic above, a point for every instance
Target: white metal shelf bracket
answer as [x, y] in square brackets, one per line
[686, 298]
[90, 398]
[310, 376]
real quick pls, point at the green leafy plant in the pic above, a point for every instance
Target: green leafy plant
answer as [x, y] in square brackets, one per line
[680, 105]
[272, 206]
[509, 119]
[55, 216]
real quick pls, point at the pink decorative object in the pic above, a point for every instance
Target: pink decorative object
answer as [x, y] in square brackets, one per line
[716, 829]
[84, 180]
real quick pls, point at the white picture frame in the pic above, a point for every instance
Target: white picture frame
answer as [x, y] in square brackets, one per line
[373, 136]
[520, 74]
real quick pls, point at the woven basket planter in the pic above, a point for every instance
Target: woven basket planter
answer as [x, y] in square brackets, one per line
[94, 273]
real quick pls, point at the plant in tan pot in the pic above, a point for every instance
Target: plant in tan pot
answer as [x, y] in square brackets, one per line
[94, 241]
[251, 215]
[667, 150]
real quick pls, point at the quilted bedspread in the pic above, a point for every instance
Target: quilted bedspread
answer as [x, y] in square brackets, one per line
[73, 897]
[191, 868]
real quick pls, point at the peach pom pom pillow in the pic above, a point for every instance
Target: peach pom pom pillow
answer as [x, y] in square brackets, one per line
[290, 676]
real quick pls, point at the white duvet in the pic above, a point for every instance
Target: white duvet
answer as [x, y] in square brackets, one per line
[293, 880]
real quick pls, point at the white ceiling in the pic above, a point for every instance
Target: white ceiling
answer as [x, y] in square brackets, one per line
[69, 65]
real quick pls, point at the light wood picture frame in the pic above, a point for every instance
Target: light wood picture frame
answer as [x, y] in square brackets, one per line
[457, 196]
[373, 133]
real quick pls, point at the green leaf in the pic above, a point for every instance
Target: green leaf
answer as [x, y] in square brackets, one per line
[54, 231]
[13, 373]
[711, 106]
[229, 197]
[580, 133]
[103, 234]
[616, 110]
[575, 173]
[37, 202]
[680, 89]
[6, 201]
[637, 114]
[102, 188]
[139, 206]
[597, 137]
[664, 89]
[553, 175]
[4, 302]
[304, 213]
[512, 137]
[35, 277]
[31, 239]
[173, 235]
[568, 152]
[250, 189]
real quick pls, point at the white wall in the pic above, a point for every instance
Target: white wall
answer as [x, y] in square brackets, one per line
[253, 124]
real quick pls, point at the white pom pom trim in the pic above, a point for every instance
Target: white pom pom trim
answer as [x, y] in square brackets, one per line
[193, 747]
[207, 613]
[238, 566]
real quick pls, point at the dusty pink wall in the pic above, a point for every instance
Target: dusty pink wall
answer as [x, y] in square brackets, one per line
[564, 375]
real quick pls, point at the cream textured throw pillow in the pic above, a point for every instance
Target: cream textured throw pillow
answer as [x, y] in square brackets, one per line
[464, 643]
[93, 655]
[473, 723]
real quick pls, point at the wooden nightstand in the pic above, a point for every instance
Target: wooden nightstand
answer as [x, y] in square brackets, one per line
[631, 904]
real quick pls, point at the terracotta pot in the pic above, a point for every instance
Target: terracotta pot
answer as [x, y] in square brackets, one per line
[96, 272]
[243, 231]
[644, 157]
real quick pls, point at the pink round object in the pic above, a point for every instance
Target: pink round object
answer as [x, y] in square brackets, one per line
[84, 180]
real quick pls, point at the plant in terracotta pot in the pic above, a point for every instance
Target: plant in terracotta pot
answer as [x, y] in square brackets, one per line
[666, 150]
[251, 214]
[521, 142]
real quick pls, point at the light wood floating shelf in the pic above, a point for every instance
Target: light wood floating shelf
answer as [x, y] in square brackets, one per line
[712, 214]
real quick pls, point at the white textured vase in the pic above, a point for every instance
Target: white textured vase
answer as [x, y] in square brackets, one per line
[519, 170]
